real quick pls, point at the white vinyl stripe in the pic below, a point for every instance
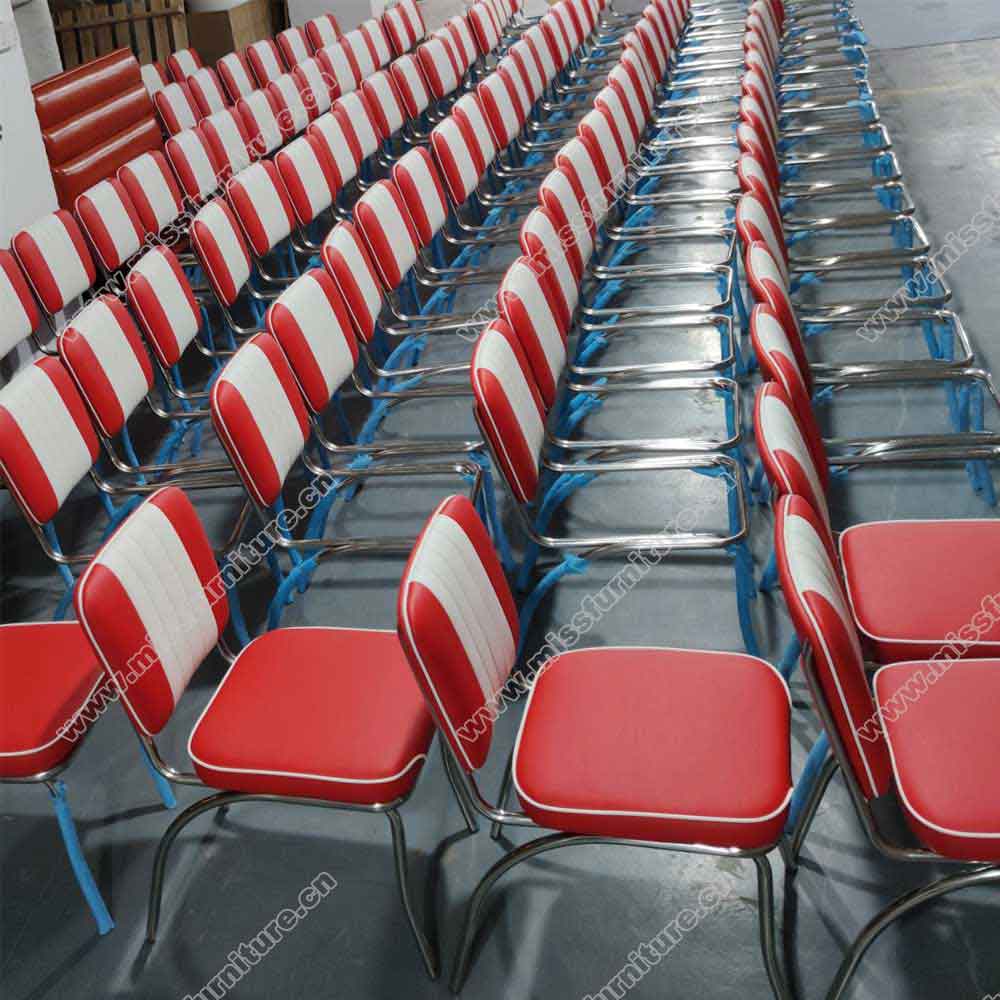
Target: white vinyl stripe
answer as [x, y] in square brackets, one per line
[328, 342]
[15, 324]
[231, 139]
[430, 199]
[115, 357]
[455, 142]
[451, 569]
[190, 145]
[171, 296]
[155, 570]
[266, 203]
[523, 282]
[251, 373]
[393, 227]
[113, 214]
[336, 143]
[37, 408]
[154, 186]
[228, 241]
[359, 268]
[60, 256]
[310, 175]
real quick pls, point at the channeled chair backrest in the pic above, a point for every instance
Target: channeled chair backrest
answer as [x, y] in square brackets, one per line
[787, 456]
[322, 31]
[458, 625]
[193, 161]
[309, 176]
[293, 46]
[571, 214]
[356, 120]
[176, 107]
[54, 258]
[458, 158]
[183, 63]
[509, 407]
[219, 244]
[339, 63]
[360, 50]
[18, 312]
[311, 323]
[161, 298]
[418, 180]
[153, 606]
[264, 121]
[384, 103]
[484, 28]
[264, 60]
[530, 304]
[819, 608]
[317, 87]
[468, 112]
[579, 165]
[235, 75]
[378, 44]
[207, 91]
[399, 29]
[413, 89]
[111, 222]
[104, 353]
[261, 205]
[227, 137]
[768, 284]
[47, 442]
[382, 219]
[260, 416]
[503, 107]
[754, 225]
[287, 92]
[541, 238]
[344, 153]
[153, 190]
[438, 68]
[529, 69]
[346, 257]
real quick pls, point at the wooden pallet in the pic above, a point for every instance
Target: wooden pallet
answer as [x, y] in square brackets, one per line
[152, 29]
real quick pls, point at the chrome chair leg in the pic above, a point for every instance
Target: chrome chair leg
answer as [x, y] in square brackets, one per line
[508, 861]
[768, 936]
[791, 844]
[899, 908]
[427, 951]
[468, 812]
[508, 778]
[193, 811]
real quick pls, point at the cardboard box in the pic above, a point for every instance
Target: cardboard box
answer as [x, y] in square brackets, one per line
[217, 32]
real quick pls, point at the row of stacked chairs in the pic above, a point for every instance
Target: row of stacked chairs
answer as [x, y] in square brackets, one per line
[594, 139]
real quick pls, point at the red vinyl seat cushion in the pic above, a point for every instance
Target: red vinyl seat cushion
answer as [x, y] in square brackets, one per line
[667, 745]
[325, 713]
[945, 746]
[49, 675]
[916, 586]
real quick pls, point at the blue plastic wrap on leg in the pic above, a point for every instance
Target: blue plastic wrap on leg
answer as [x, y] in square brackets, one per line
[757, 477]
[823, 395]
[769, 578]
[814, 329]
[69, 581]
[163, 788]
[864, 109]
[624, 251]
[78, 862]
[930, 338]
[492, 512]
[586, 349]
[298, 578]
[639, 217]
[787, 204]
[790, 657]
[235, 610]
[606, 292]
[746, 594]
[809, 776]
[741, 307]
[584, 404]
[570, 564]
[807, 278]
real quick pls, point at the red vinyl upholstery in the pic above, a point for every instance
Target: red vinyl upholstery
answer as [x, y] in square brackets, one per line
[49, 676]
[667, 758]
[18, 312]
[944, 747]
[94, 118]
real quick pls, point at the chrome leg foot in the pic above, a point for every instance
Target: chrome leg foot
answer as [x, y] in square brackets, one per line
[899, 908]
[768, 937]
[163, 849]
[427, 951]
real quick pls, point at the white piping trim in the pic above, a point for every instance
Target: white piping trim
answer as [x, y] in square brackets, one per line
[292, 774]
[635, 814]
[895, 769]
[895, 640]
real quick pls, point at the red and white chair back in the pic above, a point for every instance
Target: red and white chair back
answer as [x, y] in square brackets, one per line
[183, 63]
[346, 257]
[154, 77]
[356, 121]
[383, 221]
[207, 91]
[104, 353]
[417, 179]
[293, 46]
[438, 67]
[509, 407]
[227, 137]
[194, 163]
[322, 31]
[176, 107]
[260, 417]
[378, 45]
[54, 258]
[265, 126]
[384, 103]
[308, 175]
[310, 322]
[314, 85]
[412, 86]
[260, 203]
[18, 312]
[404, 26]
[111, 222]
[340, 65]
[264, 61]
[235, 76]
[153, 606]
[822, 616]
[152, 189]
[457, 623]
[216, 237]
[342, 152]
[161, 298]
[47, 442]
[293, 111]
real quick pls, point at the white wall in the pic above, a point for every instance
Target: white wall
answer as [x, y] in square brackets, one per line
[26, 188]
